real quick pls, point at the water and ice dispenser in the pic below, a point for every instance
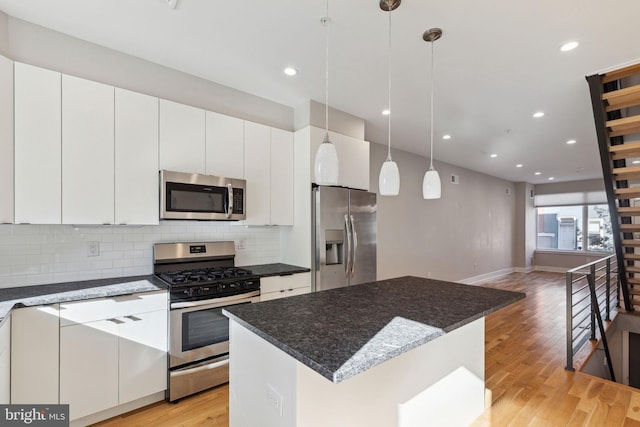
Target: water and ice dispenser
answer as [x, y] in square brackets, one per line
[334, 247]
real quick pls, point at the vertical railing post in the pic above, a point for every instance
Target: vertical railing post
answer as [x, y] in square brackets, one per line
[592, 276]
[608, 289]
[569, 316]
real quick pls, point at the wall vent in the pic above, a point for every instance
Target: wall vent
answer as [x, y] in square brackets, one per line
[455, 179]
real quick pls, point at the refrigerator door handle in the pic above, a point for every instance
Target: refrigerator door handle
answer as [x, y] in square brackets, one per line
[347, 267]
[355, 247]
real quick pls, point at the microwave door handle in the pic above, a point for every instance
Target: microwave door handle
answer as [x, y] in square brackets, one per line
[355, 247]
[230, 200]
[347, 266]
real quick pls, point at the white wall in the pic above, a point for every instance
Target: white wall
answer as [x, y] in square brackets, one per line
[39, 254]
[467, 233]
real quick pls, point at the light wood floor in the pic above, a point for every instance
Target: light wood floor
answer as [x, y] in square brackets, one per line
[524, 371]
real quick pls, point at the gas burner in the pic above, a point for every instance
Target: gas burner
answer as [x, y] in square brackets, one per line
[203, 275]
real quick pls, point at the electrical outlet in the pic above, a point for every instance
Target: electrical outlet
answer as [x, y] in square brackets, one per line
[93, 248]
[274, 399]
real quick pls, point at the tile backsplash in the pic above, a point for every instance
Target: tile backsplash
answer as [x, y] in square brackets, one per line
[39, 254]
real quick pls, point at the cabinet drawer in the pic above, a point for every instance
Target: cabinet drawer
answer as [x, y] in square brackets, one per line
[284, 294]
[108, 308]
[284, 283]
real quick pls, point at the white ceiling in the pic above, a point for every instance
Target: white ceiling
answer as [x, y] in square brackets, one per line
[497, 63]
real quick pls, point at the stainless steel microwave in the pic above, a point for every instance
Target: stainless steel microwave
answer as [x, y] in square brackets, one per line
[201, 197]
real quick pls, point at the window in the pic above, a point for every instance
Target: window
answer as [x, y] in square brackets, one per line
[574, 228]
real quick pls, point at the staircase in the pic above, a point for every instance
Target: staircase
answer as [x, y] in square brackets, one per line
[615, 97]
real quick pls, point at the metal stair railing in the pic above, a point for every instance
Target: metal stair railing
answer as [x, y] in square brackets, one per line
[593, 291]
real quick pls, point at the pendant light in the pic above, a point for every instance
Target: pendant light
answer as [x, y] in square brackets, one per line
[389, 180]
[431, 188]
[326, 161]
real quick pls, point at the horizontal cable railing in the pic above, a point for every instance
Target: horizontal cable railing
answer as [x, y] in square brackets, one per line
[583, 308]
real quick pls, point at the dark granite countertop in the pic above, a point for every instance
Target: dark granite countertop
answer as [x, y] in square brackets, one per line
[277, 269]
[342, 332]
[29, 296]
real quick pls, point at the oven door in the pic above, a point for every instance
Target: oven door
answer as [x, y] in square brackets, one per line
[198, 330]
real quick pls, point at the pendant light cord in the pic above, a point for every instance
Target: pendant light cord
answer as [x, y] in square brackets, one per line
[389, 104]
[325, 21]
[431, 156]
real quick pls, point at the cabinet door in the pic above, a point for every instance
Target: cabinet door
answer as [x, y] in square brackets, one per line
[136, 158]
[6, 140]
[257, 172]
[38, 161]
[143, 355]
[182, 138]
[5, 362]
[89, 367]
[34, 355]
[225, 146]
[354, 165]
[87, 152]
[281, 177]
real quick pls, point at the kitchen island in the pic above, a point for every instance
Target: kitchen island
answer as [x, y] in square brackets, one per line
[401, 352]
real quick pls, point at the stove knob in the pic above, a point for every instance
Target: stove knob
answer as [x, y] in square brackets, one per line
[189, 292]
[239, 285]
[199, 291]
[220, 288]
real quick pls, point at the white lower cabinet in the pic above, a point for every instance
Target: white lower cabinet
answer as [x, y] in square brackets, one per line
[108, 362]
[5, 362]
[34, 355]
[275, 287]
[89, 367]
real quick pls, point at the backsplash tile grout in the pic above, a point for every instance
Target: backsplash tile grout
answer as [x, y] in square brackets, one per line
[40, 254]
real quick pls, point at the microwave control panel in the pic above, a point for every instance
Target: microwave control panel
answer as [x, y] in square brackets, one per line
[238, 201]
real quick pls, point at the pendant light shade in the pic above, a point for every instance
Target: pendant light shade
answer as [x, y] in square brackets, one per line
[326, 166]
[326, 163]
[389, 180]
[431, 186]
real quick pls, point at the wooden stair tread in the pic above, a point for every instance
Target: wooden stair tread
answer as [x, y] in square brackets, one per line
[623, 126]
[632, 269]
[628, 211]
[626, 172]
[632, 257]
[631, 242]
[627, 193]
[630, 227]
[620, 73]
[622, 98]
[624, 151]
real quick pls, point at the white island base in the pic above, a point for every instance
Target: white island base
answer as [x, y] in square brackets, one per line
[440, 383]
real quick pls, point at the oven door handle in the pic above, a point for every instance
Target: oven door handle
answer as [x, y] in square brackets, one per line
[219, 302]
[190, 371]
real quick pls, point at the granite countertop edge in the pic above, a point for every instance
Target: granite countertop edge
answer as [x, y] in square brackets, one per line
[356, 368]
[34, 295]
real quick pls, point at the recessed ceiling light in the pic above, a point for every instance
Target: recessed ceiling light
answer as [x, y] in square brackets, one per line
[571, 141]
[447, 136]
[519, 165]
[290, 71]
[386, 112]
[537, 173]
[538, 114]
[569, 46]
[551, 178]
[493, 156]
[636, 162]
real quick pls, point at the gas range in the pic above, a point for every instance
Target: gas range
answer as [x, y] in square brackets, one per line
[198, 271]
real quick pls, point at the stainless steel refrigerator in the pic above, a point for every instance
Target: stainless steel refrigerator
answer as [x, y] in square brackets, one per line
[344, 237]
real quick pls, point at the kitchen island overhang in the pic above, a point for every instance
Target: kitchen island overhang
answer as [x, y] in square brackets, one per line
[390, 342]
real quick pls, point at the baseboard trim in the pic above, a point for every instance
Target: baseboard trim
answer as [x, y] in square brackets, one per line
[117, 410]
[550, 269]
[476, 280]
[523, 269]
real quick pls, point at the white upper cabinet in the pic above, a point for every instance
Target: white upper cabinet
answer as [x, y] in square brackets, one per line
[257, 173]
[136, 158]
[281, 177]
[38, 166]
[353, 158]
[354, 163]
[6, 140]
[182, 138]
[87, 152]
[224, 146]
